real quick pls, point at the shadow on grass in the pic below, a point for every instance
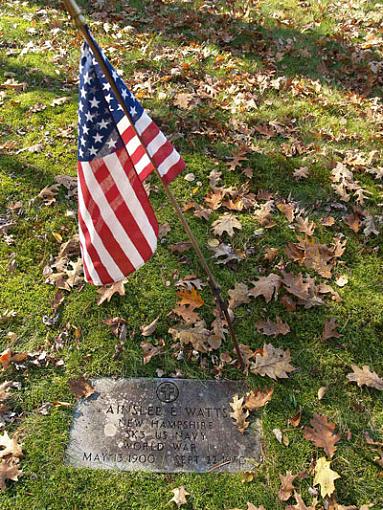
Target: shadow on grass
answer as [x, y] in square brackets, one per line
[329, 59]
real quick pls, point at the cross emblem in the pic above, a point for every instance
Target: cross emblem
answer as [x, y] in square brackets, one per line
[167, 392]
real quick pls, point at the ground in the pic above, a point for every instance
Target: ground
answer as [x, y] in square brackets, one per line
[285, 84]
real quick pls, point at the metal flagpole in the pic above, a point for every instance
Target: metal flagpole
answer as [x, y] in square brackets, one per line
[75, 12]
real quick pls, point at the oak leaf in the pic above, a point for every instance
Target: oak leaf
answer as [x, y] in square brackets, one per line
[321, 433]
[191, 298]
[287, 487]
[266, 286]
[180, 495]
[8, 472]
[365, 377]
[273, 362]
[150, 351]
[9, 447]
[107, 292]
[300, 504]
[197, 336]
[255, 399]
[150, 328]
[329, 329]
[238, 295]
[288, 210]
[271, 328]
[81, 387]
[325, 477]
[226, 223]
[239, 414]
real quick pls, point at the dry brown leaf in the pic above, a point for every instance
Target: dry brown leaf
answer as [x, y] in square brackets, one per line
[150, 351]
[270, 254]
[238, 295]
[226, 223]
[305, 226]
[8, 472]
[256, 399]
[150, 328]
[266, 286]
[107, 292]
[321, 433]
[353, 221]
[9, 447]
[301, 173]
[197, 336]
[288, 210]
[302, 287]
[365, 377]
[81, 387]
[180, 495]
[295, 420]
[273, 362]
[330, 329]
[300, 504]
[287, 488]
[271, 328]
[239, 414]
[187, 313]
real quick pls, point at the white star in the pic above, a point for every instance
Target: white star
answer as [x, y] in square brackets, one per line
[83, 141]
[103, 124]
[106, 86]
[81, 107]
[115, 75]
[89, 116]
[94, 103]
[83, 92]
[87, 78]
[92, 151]
[85, 129]
[81, 152]
[124, 94]
[98, 138]
[133, 111]
[111, 143]
[108, 98]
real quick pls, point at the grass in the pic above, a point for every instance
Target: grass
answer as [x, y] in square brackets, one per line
[331, 107]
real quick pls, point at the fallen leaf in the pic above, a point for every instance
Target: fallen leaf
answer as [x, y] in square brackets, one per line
[273, 362]
[8, 472]
[271, 328]
[191, 298]
[9, 447]
[180, 495]
[239, 414]
[81, 387]
[322, 434]
[266, 286]
[329, 329]
[238, 295]
[342, 280]
[226, 223]
[150, 351]
[150, 328]
[287, 488]
[325, 477]
[288, 210]
[322, 392]
[256, 399]
[107, 292]
[365, 377]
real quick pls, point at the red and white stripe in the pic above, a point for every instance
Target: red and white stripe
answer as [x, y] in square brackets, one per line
[164, 155]
[118, 228]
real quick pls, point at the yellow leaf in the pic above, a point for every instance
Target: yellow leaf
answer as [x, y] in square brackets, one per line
[325, 477]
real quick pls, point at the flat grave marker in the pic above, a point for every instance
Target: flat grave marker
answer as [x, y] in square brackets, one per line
[162, 425]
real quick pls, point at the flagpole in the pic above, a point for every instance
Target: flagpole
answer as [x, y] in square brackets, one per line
[75, 13]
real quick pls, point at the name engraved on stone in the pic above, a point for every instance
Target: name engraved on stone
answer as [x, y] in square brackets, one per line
[162, 425]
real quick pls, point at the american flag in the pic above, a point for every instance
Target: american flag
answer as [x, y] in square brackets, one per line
[118, 229]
